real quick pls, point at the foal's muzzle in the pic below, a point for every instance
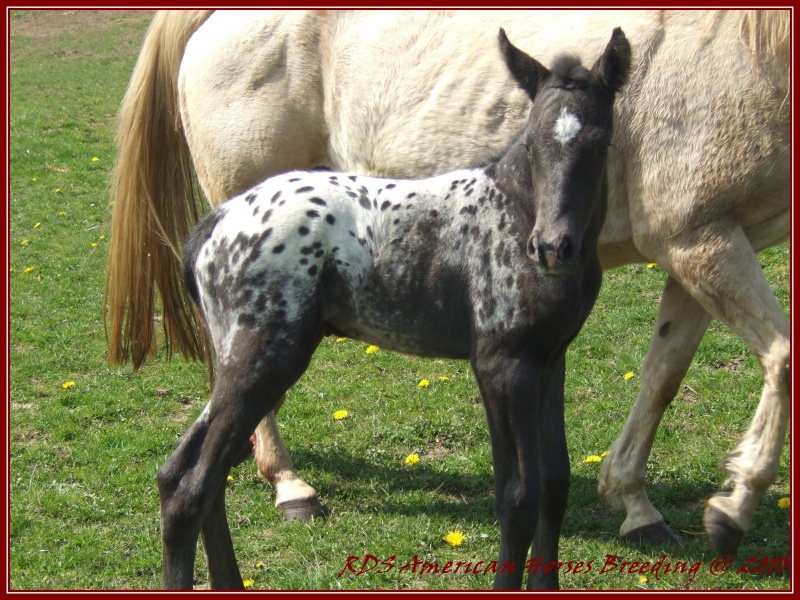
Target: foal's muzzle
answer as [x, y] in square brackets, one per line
[556, 257]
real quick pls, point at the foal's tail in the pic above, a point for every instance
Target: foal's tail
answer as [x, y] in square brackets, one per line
[155, 203]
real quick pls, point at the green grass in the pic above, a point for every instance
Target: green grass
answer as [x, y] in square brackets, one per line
[83, 499]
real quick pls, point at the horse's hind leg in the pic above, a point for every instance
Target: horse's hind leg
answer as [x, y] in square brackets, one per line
[722, 272]
[680, 327]
[293, 496]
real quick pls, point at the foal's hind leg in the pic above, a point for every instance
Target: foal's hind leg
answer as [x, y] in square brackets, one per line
[680, 327]
[192, 481]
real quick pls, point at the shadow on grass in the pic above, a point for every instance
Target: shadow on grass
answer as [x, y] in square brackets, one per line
[353, 482]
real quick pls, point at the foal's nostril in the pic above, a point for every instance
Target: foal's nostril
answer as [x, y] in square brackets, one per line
[565, 250]
[532, 247]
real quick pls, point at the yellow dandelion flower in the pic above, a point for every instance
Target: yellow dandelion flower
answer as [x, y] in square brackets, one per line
[33, 178]
[412, 459]
[58, 190]
[67, 384]
[102, 237]
[247, 583]
[424, 383]
[230, 477]
[784, 503]
[606, 453]
[94, 244]
[37, 225]
[23, 242]
[38, 278]
[259, 565]
[444, 378]
[28, 269]
[592, 459]
[372, 349]
[95, 159]
[643, 579]
[62, 214]
[628, 375]
[651, 265]
[341, 414]
[342, 339]
[454, 538]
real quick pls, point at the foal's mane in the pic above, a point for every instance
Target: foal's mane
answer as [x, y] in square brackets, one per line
[568, 72]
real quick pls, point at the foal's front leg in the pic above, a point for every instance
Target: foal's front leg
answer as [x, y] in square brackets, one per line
[554, 477]
[510, 389]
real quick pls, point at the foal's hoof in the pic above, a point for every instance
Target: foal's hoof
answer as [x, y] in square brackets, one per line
[303, 509]
[724, 533]
[652, 534]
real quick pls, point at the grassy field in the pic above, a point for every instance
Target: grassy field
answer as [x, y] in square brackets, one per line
[86, 440]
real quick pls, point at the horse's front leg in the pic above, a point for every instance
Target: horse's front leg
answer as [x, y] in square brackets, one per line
[510, 389]
[554, 477]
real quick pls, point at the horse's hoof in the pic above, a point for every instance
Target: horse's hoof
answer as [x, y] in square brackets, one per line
[724, 533]
[303, 509]
[652, 534]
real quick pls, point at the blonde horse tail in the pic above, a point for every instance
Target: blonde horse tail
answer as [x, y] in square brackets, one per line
[767, 33]
[155, 203]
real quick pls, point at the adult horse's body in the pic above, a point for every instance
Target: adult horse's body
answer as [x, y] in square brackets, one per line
[699, 179]
[497, 265]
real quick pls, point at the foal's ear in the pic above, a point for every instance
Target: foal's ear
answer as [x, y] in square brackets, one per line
[611, 70]
[529, 73]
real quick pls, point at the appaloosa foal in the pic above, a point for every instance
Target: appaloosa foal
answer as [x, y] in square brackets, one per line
[498, 265]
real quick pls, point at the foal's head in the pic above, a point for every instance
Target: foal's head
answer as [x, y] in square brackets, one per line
[566, 138]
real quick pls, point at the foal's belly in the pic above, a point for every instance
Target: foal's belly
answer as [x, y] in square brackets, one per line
[408, 310]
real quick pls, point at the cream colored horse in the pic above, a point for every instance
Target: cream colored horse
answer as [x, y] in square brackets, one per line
[699, 178]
